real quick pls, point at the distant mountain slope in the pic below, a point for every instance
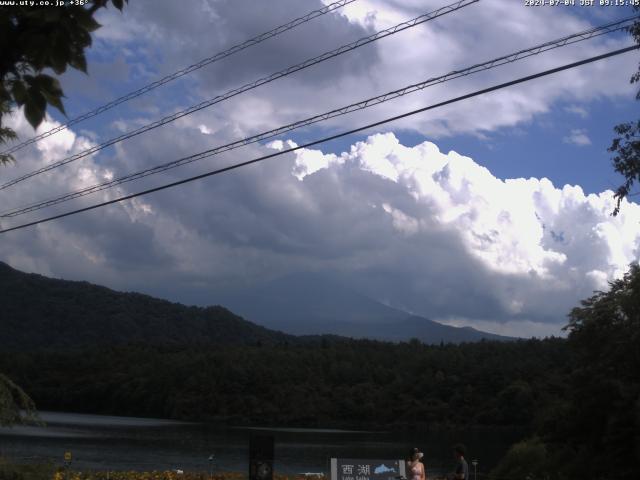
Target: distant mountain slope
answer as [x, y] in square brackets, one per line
[308, 304]
[39, 312]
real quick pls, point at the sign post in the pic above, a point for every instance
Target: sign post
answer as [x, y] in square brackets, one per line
[261, 457]
[67, 463]
[366, 469]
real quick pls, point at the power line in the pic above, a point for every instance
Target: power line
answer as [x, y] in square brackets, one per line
[191, 68]
[332, 137]
[250, 86]
[510, 58]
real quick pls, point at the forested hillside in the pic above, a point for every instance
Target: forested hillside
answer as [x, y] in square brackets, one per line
[345, 383]
[45, 313]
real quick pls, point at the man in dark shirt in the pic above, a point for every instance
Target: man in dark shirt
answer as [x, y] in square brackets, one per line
[462, 468]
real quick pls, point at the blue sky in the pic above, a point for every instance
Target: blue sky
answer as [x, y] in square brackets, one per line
[539, 148]
[450, 200]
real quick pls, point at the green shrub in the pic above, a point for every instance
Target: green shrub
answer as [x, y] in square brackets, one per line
[12, 471]
[525, 460]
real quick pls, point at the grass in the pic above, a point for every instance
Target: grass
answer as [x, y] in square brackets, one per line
[12, 471]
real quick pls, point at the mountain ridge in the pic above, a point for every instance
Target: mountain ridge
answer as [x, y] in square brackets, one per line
[39, 312]
[313, 304]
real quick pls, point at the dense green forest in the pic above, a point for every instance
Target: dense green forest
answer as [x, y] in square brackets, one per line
[594, 430]
[335, 382]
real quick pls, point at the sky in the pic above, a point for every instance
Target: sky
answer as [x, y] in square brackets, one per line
[493, 212]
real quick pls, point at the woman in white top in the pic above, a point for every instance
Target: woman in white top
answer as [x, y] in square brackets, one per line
[415, 468]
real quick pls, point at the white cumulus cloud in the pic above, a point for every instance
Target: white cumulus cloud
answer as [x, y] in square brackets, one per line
[543, 247]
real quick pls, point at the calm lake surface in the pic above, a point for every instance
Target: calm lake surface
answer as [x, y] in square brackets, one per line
[100, 442]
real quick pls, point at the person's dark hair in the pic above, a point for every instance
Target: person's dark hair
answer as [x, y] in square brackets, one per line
[460, 449]
[413, 452]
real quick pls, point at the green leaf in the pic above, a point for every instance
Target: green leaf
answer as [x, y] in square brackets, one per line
[54, 100]
[6, 159]
[82, 39]
[48, 83]
[35, 50]
[86, 20]
[58, 60]
[19, 92]
[29, 79]
[53, 15]
[4, 95]
[7, 134]
[79, 62]
[33, 114]
[35, 107]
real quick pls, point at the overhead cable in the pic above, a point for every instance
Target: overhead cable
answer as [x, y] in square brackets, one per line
[510, 58]
[185, 71]
[249, 86]
[326, 139]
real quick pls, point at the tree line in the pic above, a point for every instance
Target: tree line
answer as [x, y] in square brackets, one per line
[334, 382]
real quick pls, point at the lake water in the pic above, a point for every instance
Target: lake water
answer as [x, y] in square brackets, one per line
[124, 443]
